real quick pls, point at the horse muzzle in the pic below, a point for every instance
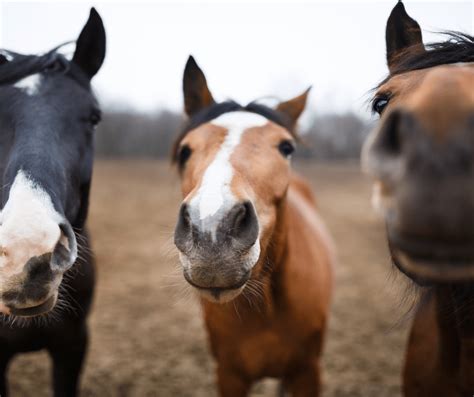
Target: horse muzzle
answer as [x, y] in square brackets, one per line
[219, 252]
[429, 262]
[34, 290]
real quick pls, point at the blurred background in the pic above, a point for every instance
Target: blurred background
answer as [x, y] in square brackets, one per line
[248, 50]
[147, 334]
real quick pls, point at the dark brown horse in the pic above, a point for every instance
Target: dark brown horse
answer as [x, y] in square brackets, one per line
[251, 241]
[422, 158]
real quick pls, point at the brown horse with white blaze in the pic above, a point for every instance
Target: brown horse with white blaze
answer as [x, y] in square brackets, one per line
[422, 157]
[251, 242]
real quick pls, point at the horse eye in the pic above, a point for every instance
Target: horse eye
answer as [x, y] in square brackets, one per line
[3, 59]
[379, 103]
[95, 118]
[183, 155]
[286, 148]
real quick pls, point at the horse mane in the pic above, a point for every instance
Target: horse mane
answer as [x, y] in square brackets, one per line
[459, 47]
[218, 109]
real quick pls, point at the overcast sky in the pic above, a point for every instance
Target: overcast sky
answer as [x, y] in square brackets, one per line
[247, 49]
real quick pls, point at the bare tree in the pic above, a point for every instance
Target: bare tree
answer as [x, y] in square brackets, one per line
[125, 133]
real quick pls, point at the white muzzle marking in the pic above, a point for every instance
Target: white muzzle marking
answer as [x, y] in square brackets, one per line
[29, 226]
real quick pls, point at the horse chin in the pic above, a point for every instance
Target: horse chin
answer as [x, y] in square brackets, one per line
[219, 295]
[426, 272]
[218, 291]
[37, 309]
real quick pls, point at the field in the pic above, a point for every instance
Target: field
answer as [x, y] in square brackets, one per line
[147, 335]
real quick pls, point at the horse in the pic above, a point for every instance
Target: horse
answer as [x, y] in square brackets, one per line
[421, 158]
[250, 240]
[48, 115]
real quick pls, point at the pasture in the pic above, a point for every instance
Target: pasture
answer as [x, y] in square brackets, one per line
[147, 336]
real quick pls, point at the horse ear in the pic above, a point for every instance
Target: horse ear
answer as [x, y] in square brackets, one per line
[293, 108]
[196, 93]
[401, 33]
[90, 46]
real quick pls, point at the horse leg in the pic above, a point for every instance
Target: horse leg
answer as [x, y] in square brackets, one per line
[231, 384]
[305, 382]
[4, 361]
[68, 358]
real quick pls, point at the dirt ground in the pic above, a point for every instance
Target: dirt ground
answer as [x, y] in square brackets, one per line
[147, 334]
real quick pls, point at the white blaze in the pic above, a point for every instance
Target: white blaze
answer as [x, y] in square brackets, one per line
[215, 193]
[29, 226]
[29, 84]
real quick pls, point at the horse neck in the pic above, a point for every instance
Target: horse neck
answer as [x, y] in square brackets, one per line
[274, 257]
[455, 316]
[276, 250]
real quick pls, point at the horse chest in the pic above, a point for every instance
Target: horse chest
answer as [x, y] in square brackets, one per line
[267, 353]
[266, 348]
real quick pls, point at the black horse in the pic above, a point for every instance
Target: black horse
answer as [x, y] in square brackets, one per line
[47, 118]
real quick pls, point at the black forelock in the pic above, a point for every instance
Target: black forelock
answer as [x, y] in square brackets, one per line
[212, 112]
[20, 66]
[459, 47]
[15, 66]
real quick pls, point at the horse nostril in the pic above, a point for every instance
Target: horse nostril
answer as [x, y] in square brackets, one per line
[182, 231]
[240, 216]
[389, 137]
[383, 155]
[65, 251]
[243, 223]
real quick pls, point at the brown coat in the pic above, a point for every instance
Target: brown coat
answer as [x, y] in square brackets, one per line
[279, 333]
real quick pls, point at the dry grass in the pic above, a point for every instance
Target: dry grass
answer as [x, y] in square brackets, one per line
[147, 336]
